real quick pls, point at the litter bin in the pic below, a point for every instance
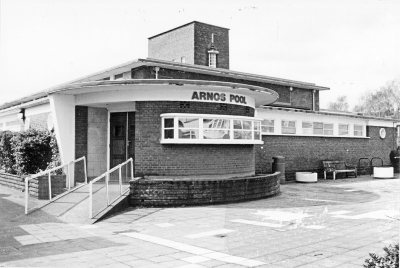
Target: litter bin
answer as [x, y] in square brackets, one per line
[396, 164]
[278, 164]
[395, 160]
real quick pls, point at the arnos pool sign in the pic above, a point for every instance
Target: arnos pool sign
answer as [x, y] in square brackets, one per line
[218, 97]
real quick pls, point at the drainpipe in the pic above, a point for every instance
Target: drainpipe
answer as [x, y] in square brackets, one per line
[313, 100]
[156, 69]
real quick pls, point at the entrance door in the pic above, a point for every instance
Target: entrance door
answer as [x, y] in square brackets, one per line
[122, 137]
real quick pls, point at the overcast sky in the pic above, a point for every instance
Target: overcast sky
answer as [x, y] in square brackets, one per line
[348, 46]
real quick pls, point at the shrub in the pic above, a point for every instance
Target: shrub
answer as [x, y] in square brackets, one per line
[6, 154]
[390, 260]
[32, 151]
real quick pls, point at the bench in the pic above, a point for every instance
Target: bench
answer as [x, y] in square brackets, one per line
[337, 167]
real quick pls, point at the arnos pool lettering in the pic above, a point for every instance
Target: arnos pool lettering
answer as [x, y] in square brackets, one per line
[215, 96]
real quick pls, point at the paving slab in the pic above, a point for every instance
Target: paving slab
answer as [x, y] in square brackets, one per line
[327, 224]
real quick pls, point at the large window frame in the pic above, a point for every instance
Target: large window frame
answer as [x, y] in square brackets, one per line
[268, 126]
[358, 130]
[212, 129]
[288, 127]
[343, 129]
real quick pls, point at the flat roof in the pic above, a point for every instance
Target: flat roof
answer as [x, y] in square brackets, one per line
[184, 25]
[127, 66]
[328, 112]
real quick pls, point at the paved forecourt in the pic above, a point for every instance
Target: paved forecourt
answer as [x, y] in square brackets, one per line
[324, 224]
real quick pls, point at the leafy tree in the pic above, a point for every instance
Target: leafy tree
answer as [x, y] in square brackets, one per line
[384, 102]
[340, 104]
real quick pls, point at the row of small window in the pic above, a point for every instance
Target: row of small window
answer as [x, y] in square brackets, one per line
[211, 128]
[310, 128]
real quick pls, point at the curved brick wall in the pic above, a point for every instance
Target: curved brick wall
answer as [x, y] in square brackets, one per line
[145, 192]
[155, 159]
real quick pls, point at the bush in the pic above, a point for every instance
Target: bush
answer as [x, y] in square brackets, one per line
[7, 160]
[390, 260]
[32, 151]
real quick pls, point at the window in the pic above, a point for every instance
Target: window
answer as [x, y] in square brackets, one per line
[288, 127]
[268, 126]
[212, 60]
[328, 129]
[216, 128]
[307, 127]
[210, 129]
[118, 76]
[257, 130]
[119, 131]
[318, 128]
[242, 130]
[358, 130]
[168, 128]
[188, 128]
[343, 129]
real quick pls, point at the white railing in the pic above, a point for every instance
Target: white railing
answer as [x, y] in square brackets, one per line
[49, 171]
[106, 175]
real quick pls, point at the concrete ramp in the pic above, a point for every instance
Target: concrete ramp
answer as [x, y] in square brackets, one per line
[74, 206]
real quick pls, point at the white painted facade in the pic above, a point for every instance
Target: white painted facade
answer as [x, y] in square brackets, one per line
[299, 117]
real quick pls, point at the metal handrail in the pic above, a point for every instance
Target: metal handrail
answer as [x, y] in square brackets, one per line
[107, 178]
[68, 178]
[363, 158]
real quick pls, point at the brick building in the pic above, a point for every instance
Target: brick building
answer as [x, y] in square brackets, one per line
[182, 112]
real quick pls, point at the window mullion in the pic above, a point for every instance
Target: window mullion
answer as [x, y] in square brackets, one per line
[231, 129]
[176, 130]
[201, 134]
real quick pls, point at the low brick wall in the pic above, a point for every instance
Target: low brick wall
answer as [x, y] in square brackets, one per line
[12, 181]
[177, 192]
[38, 187]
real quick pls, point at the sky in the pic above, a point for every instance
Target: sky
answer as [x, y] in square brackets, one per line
[349, 46]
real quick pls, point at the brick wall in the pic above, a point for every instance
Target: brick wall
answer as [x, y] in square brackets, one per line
[202, 44]
[153, 158]
[97, 141]
[173, 45]
[300, 97]
[38, 187]
[306, 153]
[39, 121]
[198, 192]
[81, 139]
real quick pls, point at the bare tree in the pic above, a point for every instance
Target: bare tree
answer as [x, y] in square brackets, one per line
[384, 102]
[340, 104]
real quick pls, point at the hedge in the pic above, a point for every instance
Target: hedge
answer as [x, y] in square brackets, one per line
[28, 152]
